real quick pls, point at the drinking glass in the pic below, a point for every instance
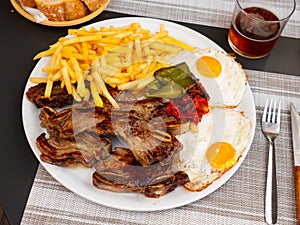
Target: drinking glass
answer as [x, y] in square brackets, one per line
[257, 24]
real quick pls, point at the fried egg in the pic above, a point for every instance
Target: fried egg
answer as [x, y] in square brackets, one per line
[223, 136]
[220, 74]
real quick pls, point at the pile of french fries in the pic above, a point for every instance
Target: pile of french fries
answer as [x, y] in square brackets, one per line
[124, 57]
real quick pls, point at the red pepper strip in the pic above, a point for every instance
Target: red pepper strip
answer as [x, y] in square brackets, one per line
[181, 108]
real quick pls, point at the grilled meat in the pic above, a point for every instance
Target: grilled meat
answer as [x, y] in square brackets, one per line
[87, 148]
[59, 96]
[151, 155]
[76, 119]
[146, 147]
[155, 189]
[82, 117]
[122, 173]
[165, 184]
[141, 125]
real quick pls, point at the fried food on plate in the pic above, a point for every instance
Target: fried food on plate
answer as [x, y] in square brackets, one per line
[124, 57]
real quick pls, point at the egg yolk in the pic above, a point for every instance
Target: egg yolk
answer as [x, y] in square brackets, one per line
[221, 155]
[209, 66]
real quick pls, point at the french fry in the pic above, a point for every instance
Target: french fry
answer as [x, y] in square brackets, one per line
[62, 83]
[82, 39]
[51, 69]
[85, 66]
[162, 28]
[87, 95]
[125, 57]
[56, 76]
[165, 47]
[37, 80]
[144, 82]
[49, 84]
[130, 85]
[79, 76]
[121, 49]
[123, 35]
[139, 75]
[82, 32]
[158, 35]
[102, 87]
[95, 94]
[48, 89]
[48, 52]
[115, 80]
[67, 80]
[181, 44]
[138, 50]
[70, 70]
[76, 97]
[85, 50]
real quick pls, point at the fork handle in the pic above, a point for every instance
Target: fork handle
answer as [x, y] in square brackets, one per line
[271, 187]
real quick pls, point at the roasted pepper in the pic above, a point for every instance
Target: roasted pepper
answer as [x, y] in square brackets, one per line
[171, 82]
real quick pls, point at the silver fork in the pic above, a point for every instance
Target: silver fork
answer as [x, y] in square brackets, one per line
[270, 127]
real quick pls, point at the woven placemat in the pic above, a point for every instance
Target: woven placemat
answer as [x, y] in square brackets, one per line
[239, 201]
[215, 13]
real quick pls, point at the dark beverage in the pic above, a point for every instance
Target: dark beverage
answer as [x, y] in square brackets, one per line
[251, 35]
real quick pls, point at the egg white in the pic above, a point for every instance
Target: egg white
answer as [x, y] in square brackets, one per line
[228, 88]
[219, 125]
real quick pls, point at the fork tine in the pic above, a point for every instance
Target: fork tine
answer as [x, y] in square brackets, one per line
[274, 112]
[278, 113]
[270, 111]
[265, 110]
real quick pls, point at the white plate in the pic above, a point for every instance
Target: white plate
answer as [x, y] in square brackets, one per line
[79, 180]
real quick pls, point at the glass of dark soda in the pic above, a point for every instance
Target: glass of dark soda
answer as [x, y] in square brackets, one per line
[256, 26]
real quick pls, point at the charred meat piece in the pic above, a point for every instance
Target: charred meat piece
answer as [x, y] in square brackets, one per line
[118, 159]
[59, 96]
[117, 172]
[122, 162]
[86, 149]
[165, 184]
[160, 186]
[85, 117]
[114, 182]
[76, 119]
[122, 173]
[147, 166]
[142, 125]
[148, 148]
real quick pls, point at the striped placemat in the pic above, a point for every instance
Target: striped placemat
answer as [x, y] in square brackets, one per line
[205, 12]
[239, 201]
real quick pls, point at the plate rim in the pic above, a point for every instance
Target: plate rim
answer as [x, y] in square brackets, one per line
[217, 183]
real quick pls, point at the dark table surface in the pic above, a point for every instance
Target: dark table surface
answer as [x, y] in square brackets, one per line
[20, 40]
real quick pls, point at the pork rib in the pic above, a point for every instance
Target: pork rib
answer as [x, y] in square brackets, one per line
[59, 96]
[136, 123]
[122, 173]
[159, 187]
[87, 149]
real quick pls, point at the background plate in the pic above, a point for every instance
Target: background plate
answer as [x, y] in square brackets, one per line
[79, 180]
[18, 7]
